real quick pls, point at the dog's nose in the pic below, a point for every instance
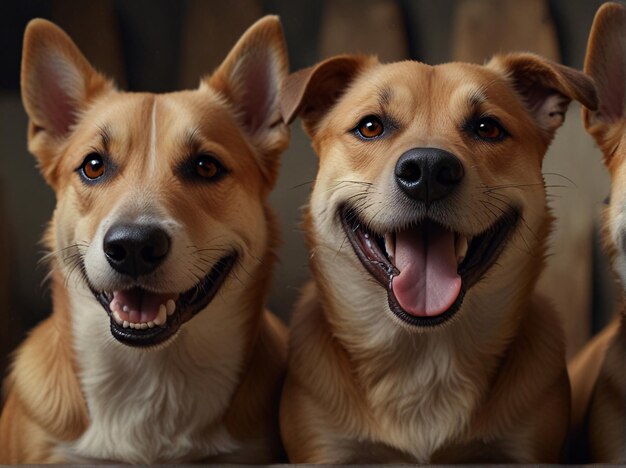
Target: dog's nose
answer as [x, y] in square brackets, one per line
[135, 249]
[428, 174]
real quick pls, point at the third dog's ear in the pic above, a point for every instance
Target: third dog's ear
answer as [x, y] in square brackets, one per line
[606, 64]
[311, 92]
[546, 87]
[57, 85]
[250, 79]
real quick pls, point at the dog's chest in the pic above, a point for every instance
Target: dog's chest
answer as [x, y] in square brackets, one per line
[422, 407]
[156, 406]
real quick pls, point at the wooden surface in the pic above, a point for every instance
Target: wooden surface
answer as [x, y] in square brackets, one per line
[207, 38]
[372, 27]
[94, 27]
[483, 28]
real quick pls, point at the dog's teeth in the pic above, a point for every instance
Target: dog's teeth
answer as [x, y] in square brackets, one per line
[150, 324]
[390, 245]
[117, 317]
[461, 248]
[161, 317]
[125, 324]
[144, 326]
[132, 325]
[170, 306]
[125, 308]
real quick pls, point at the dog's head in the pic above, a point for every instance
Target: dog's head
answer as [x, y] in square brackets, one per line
[161, 199]
[430, 178]
[606, 64]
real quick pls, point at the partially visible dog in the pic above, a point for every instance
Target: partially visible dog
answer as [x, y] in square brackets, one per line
[420, 338]
[598, 371]
[158, 349]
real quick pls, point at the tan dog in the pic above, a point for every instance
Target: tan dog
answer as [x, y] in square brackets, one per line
[597, 372]
[158, 349]
[420, 338]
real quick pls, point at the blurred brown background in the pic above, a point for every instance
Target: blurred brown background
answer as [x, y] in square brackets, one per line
[164, 45]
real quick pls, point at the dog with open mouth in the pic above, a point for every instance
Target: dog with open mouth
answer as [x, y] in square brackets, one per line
[158, 349]
[420, 338]
[597, 371]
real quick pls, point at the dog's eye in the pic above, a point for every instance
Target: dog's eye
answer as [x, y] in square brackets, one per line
[370, 127]
[489, 129]
[93, 166]
[208, 167]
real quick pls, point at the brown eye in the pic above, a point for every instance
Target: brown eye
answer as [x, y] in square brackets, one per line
[370, 127]
[93, 166]
[489, 129]
[207, 167]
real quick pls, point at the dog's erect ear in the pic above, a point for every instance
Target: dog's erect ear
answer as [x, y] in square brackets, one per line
[311, 92]
[546, 87]
[606, 64]
[57, 84]
[250, 79]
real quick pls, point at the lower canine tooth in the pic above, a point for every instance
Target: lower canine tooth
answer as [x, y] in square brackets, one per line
[161, 317]
[125, 324]
[117, 318]
[461, 248]
[170, 306]
[390, 246]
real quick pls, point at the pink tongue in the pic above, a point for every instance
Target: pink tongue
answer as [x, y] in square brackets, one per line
[142, 306]
[428, 283]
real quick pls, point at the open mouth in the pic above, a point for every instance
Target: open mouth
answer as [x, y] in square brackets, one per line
[144, 318]
[427, 269]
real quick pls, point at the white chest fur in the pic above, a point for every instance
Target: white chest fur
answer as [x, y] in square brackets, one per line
[156, 406]
[433, 405]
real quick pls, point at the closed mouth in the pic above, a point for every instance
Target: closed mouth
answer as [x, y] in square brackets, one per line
[427, 268]
[142, 318]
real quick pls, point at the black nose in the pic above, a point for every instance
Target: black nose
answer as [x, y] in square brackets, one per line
[428, 174]
[135, 249]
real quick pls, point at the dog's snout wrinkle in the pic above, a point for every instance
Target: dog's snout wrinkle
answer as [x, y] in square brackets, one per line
[135, 249]
[428, 174]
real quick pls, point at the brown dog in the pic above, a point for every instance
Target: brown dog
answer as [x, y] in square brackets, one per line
[158, 349]
[597, 372]
[420, 338]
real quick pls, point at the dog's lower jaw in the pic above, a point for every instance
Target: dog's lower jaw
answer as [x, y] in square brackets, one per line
[134, 398]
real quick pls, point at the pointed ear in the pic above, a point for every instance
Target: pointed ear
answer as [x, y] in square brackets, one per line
[57, 85]
[606, 64]
[311, 92]
[250, 78]
[546, 87]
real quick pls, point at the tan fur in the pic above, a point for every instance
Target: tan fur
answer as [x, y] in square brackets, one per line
[597, 371]
[45, 401]
[147, 135]
[491, 384]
